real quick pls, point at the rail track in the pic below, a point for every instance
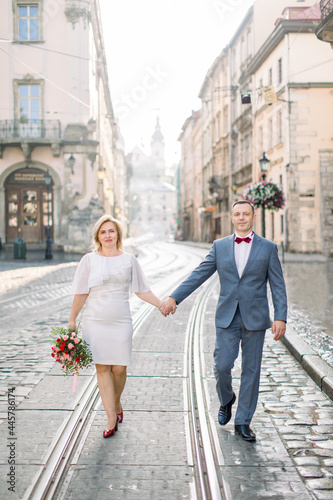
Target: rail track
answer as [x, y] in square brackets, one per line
[206, 454]
[52, 481]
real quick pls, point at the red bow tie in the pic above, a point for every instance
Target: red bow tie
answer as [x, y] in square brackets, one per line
[239, 240]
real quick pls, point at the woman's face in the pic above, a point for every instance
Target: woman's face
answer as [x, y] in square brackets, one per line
[107, 235]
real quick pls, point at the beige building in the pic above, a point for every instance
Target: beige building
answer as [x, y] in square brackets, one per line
[296, 130]
[56, 117]
[270, 47]
[190, 202]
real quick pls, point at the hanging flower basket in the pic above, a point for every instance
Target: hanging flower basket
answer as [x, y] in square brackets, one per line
[265, 194]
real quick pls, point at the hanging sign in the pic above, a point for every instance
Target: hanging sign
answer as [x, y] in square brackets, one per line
[268, 94]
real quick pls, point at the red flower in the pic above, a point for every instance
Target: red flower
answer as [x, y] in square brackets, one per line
[77, 360]
[52, 354]
[62, 344]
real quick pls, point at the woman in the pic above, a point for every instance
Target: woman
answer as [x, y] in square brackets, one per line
[102, 282]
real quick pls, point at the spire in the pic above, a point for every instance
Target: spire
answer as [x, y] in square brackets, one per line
[157, 135]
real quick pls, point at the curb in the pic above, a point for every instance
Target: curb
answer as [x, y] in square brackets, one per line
[320, 371]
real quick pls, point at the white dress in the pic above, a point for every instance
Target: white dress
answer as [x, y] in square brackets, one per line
[106, 320]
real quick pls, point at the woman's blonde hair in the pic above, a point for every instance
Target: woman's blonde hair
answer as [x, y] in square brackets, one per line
[106, 218]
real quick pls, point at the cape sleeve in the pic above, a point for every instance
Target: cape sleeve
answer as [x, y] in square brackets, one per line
[80, 283]
[139, 283]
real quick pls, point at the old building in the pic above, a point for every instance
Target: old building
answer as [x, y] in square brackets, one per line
[270, 47]
[190, 203]
[152, 197]
[56, 119]
[295, 131]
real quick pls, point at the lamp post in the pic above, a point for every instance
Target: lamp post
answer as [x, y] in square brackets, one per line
[100, 176]
[71, 163]
[48, 251]
[263, 162]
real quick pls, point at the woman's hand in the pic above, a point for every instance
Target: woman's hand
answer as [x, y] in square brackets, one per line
[72, 325]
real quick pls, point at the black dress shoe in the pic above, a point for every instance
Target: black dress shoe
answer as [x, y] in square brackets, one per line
[225, 411]
[245, 432]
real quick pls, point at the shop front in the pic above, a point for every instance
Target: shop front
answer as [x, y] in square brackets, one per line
[29, 206]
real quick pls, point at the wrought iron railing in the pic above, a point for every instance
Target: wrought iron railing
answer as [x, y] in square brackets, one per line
[326, 7]
[30, 129]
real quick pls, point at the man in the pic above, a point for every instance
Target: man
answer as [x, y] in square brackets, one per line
[244, 262]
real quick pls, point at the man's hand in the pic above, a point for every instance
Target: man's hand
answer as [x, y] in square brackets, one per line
[168, 306]
[278, 329]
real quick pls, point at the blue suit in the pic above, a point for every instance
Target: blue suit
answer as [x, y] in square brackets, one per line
[242, 314]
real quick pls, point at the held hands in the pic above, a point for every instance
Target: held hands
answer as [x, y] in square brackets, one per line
[278, 329]
[168, 306]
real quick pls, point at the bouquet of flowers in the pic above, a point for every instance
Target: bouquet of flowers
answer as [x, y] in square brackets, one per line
[70, 350]
[265, 194]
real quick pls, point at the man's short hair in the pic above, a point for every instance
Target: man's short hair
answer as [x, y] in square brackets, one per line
[242, 202]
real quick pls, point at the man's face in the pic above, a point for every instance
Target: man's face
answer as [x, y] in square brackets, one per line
[243, 218]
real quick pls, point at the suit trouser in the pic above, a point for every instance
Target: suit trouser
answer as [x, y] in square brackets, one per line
[226, 351]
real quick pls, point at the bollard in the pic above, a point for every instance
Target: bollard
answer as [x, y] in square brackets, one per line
[19, 248]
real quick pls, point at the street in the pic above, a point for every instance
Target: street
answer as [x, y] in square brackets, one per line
[150, 456]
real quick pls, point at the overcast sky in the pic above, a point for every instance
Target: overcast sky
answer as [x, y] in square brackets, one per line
[158, 53]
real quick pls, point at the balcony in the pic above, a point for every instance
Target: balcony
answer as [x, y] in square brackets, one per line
[44, 131]
[325, 29]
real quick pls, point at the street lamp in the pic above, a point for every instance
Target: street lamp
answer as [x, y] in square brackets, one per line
[48, 251]
[263, 162]
[71, 162]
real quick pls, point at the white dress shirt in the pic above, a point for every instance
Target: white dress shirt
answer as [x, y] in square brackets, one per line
[242, 252]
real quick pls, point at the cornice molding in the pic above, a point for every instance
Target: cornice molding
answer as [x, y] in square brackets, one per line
[283, 28]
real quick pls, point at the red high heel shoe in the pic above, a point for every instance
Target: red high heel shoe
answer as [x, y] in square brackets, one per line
[110, 432]
[120, 417]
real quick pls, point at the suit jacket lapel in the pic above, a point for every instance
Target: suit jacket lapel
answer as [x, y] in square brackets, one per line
[256, 245]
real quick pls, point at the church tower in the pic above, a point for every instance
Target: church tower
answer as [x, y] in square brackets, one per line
[157, 143]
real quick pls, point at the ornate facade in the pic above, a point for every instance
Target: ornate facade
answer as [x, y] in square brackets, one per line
[294, 130]
[56, 117]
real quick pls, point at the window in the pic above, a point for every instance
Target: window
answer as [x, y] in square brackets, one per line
[270, 133]
[280, 70]
[29, 103]
[242, 50]
[279, 127]
[28, 107]
[28, 20]
[248, 43]
[270, 76]
[260, 139]
[226, 120]
[28, 23]
[281, 224]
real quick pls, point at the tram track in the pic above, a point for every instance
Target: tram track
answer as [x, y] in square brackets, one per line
[71, 435]
[52, 481]
[206, 454]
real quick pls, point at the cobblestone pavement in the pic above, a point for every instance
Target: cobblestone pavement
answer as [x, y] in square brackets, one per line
[293, 457]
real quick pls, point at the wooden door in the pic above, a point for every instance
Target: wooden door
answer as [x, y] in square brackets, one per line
[29, 210]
